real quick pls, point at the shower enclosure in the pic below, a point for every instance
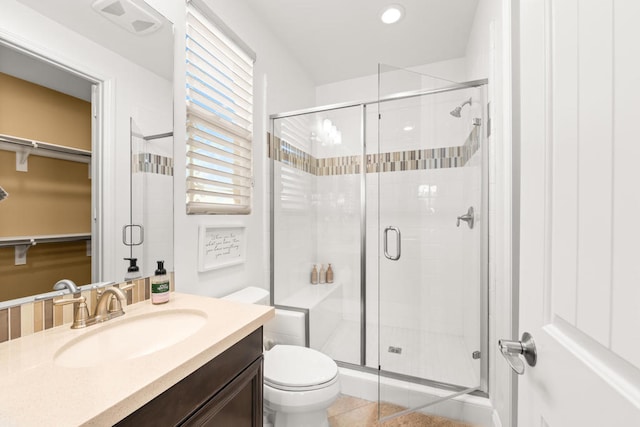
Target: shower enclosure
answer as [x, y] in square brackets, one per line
[391, 193]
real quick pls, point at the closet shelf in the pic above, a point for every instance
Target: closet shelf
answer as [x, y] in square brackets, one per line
[33, 240]
[25, 147]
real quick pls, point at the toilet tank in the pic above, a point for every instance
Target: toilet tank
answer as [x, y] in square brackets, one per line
[288, 327]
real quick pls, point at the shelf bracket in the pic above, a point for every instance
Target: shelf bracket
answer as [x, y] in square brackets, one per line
[22, 158]
[21, 252]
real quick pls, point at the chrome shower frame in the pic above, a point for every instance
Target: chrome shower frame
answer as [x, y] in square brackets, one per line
[482, 390]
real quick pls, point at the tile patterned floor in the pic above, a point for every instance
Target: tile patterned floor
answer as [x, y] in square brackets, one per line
[350, 411]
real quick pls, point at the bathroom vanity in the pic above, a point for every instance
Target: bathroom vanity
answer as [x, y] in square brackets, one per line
[225, 391]
[195, 360]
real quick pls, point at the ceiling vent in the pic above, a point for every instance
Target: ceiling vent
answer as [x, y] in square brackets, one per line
[134, 16]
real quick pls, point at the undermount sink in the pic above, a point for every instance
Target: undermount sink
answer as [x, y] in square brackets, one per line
[129, 338]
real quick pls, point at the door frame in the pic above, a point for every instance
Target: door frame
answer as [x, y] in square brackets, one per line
[102, 132]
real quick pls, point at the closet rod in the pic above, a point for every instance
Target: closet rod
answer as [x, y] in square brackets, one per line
[52, 238]
[14, 143]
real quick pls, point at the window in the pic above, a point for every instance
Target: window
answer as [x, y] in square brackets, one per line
[219, 77]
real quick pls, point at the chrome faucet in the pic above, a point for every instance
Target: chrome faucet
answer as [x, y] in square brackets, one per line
[105, 310]
[66, 284]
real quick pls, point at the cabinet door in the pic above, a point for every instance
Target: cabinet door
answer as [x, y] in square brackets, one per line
[176, 405]
[239, 404]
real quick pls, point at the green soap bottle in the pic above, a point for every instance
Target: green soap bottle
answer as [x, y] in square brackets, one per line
[160, 285]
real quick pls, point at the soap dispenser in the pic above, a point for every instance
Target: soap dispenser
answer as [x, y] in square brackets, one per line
[323, 274]
[160, 285]
[314, 275]
[133, 272]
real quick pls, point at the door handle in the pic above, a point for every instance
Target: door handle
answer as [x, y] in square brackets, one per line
[398, 243]
[511, 350]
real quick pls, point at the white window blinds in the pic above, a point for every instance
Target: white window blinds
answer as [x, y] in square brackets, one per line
[219, 120]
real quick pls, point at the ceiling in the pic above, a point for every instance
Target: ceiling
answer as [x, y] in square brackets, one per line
[152, 51]
[342, 39]
[33, 70]
[332, 39]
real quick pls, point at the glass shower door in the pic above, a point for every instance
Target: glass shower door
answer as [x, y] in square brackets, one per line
[428, 182]
[317, 222]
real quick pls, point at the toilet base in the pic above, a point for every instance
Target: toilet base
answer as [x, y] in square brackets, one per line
[299, 409]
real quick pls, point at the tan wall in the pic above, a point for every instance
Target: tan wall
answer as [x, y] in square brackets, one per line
[52, 197]
[31, 111]
[46, 264]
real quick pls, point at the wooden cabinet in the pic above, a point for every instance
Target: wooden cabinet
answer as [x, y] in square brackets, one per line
[227, 391]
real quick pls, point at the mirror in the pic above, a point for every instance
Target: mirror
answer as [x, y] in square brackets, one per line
[69, 222]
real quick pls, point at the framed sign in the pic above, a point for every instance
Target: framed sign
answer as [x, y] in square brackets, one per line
[220, 246]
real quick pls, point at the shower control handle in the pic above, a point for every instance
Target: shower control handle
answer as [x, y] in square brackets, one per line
[398, 243]
[511, 350]
[469, 218]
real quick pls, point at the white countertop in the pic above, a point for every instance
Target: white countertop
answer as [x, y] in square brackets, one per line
[34, 391]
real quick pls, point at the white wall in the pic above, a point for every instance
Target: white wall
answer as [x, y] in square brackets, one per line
[280, 84]
[131, 88]
[366, 88]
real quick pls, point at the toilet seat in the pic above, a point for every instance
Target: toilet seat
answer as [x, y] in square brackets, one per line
[295, 368]
[301, 388]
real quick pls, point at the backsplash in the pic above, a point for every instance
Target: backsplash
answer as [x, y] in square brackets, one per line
[35, 316]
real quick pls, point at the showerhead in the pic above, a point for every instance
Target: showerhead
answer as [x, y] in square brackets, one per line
[456, 111]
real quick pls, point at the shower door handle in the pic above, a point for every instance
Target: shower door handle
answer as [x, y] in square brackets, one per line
[398, 244]
[127, 239]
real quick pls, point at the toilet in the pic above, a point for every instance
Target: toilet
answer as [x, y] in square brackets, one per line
[300, 383]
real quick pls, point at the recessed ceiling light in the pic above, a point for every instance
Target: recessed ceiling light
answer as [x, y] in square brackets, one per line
[392, 14]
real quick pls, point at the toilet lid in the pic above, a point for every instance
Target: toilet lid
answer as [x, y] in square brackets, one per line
[295, 366]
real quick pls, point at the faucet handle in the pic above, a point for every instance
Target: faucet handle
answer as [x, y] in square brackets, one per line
[81, 315]
[65, 301]
[127, 286]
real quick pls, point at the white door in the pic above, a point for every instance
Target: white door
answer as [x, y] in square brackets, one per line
[580, 200]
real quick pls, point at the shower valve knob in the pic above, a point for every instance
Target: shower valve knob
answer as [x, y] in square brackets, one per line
[469, 218]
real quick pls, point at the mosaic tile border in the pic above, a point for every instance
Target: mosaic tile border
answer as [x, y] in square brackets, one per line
[35, 316]
[286, 153]
[153, 163]
[432, 158]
